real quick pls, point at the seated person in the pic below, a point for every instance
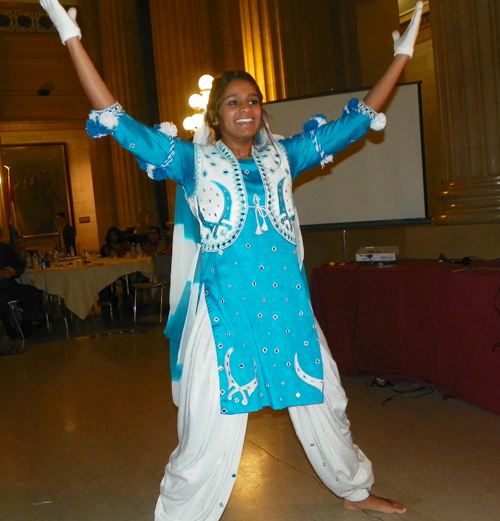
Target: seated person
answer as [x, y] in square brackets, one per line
[21, 246]
[115, 244]
[30, 297]
[155, 244]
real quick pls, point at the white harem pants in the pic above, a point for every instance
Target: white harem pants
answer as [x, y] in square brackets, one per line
[202, 470]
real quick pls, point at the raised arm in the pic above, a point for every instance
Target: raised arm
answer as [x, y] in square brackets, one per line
[96, 90]
[403, 51]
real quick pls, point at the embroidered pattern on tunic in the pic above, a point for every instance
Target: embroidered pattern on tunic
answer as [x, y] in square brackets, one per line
[233, 387]
[261, 315]
[287, 217]
[316, 382]
[311, 126]
[219, 197]
[257, 301]
[222, 212]
[272, 166]
[260, 211]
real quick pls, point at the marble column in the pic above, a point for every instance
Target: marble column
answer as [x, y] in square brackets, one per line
[191, 38]
[181, 41]
[124, 75]
[262, 46]
[298, 48]
[467, 49]
[4, 200]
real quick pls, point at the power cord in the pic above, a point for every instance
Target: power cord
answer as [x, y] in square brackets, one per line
[379, 382]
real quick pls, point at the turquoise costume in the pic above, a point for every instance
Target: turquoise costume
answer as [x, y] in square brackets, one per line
[244, 253]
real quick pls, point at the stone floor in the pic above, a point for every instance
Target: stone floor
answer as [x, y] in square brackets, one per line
[87, 424]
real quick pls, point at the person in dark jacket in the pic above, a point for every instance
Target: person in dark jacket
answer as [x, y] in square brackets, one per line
[31, 298]
[66, 234]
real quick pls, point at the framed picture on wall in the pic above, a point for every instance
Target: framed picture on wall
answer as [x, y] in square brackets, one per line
[40, 182]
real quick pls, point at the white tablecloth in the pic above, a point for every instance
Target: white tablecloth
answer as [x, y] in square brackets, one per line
[80, 286]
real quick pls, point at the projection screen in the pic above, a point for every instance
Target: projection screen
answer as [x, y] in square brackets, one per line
[377, 181]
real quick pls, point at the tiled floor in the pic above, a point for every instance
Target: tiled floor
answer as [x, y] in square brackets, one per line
[87, 424]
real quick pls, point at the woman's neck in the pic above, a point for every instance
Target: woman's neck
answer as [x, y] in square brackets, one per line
[242, 155]
[239, 150]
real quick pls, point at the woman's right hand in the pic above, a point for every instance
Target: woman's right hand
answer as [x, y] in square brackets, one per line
[96, 90]
[65, 22]
[404, 44]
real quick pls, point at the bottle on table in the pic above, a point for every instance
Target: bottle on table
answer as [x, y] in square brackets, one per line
[45, 261]
[29, 261]
[36, 262]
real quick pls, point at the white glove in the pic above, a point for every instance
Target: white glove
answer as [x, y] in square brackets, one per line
[65, 22]
[404, 44]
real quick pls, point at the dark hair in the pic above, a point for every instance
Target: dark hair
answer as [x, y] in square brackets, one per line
[216, 99]
[61, 214]
[156, 229]
[115, 231]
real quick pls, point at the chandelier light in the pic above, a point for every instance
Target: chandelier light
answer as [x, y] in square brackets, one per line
[198, 102]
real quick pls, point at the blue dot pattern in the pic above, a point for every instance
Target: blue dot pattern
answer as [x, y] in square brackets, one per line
[265, 335]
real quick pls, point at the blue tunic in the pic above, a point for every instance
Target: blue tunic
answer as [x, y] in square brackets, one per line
[263, 326]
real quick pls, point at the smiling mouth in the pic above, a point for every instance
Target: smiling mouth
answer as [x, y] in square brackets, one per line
[244, 121]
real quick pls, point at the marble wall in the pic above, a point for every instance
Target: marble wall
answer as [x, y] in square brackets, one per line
[332, 45]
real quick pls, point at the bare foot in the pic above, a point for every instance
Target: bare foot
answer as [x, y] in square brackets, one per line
[378, 504]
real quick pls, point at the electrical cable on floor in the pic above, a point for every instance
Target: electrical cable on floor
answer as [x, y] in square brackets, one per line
[378, 382]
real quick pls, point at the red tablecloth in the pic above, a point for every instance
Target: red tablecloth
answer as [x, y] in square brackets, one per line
[419, 320]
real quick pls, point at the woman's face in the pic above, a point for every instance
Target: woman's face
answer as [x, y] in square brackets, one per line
[153, 235]
[240, 114]
[113, 237]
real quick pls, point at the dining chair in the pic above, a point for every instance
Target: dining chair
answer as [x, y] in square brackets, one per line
[16, 315]
[54, 303]
[109, 305]
[160, 282]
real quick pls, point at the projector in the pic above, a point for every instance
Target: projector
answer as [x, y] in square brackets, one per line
[377, 254]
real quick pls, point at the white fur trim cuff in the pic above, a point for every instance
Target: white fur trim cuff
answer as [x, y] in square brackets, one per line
[103, 122]
[378, 122]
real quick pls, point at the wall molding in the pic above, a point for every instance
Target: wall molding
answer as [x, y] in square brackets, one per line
[26, 18]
